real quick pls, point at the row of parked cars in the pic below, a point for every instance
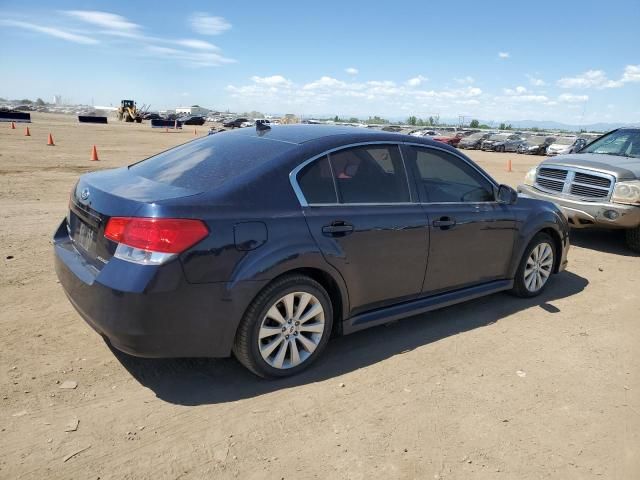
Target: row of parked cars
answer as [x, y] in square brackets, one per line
[523, 143]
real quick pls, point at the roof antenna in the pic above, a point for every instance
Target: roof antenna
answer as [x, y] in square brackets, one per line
[261, 125]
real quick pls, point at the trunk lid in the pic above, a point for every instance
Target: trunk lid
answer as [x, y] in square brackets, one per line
[99, 196]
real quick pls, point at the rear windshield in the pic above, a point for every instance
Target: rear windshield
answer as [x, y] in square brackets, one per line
[208, 163]
[565, 140]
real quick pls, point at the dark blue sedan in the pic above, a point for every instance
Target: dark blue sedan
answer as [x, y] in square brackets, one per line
[263, 242]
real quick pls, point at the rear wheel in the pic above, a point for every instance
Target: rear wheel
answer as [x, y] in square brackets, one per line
[285, 328]
[633, 238]
[535, 267]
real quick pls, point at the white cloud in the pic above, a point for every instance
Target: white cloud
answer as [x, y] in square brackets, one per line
[503, 54]
[571, 98]
[536, 82]
[519, 90]
[107, 20]
[194, 59]
[205, 24]
[599, 79]
[272, 81]
[590, 78]
[416, 81]
[631, 74]
[468, 80]
[53, 32]
[196, 44]
[351, 71]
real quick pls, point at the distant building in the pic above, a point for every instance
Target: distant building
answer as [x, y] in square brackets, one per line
[57, 99]
[192, 110]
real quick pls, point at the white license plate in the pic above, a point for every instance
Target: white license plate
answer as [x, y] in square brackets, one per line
[86, 237]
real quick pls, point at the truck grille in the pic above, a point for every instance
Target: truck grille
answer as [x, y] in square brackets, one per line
[574, 182]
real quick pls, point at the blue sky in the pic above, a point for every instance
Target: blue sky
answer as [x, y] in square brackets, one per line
[565, 61]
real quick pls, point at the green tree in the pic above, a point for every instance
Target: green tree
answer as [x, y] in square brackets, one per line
[474, 123]
[412, 120]
[354, 120]
[431, 121]
[26, 101]
[502, 126]
[40, 102]
[336, 118]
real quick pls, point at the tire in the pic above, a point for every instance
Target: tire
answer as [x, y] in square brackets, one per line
[632, 237]
[526, 281]
[271, 316]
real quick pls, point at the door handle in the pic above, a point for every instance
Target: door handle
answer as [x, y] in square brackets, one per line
[337, 229]
[444, 223]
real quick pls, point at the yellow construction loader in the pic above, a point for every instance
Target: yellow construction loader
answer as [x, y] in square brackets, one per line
[128, 111]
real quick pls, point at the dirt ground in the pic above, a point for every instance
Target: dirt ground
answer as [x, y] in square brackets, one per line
[494, 388]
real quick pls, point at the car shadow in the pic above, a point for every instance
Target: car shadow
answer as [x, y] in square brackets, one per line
[212, 381]
[607, 241]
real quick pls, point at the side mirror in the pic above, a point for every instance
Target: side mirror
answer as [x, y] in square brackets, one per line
[506, 195]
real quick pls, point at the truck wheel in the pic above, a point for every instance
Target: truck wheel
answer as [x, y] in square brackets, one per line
[535, 267]
[285, 328]
[633, 238]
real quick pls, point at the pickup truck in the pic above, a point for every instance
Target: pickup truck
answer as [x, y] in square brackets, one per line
[598, 186]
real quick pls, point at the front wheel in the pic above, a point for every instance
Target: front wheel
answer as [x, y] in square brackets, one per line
[632, 237]
[285, 328]
[535, 267]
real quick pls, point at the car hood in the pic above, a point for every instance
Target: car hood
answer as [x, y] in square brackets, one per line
[623, 168]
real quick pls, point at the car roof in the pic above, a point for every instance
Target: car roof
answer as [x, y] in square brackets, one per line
[302, 133]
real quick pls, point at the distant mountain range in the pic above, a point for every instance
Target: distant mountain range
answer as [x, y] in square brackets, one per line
[550, 125]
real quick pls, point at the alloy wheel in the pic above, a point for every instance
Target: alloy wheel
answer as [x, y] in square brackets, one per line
[539, 266]
[291, 330]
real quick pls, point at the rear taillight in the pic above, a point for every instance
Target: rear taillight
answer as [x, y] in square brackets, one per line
[153, 240]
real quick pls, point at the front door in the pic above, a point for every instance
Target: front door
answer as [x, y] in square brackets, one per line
[366, 224]
[471, 235]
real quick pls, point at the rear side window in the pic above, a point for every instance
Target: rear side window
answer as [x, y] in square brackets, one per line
[370, 174]
[316, 182]
[447, 178]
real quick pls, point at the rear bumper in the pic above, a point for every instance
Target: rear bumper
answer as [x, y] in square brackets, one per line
[152, 311]
[589, 214]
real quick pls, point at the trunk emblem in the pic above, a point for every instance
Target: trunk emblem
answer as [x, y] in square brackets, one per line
[84, 194]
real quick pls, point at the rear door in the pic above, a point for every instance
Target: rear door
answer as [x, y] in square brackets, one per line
[360, 211]
[471, 235]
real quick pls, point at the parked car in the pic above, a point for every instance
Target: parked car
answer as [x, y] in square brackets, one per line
[264, 243]
[235, 123]
[450, 140]
[503, 142]
[474, 141]
[193, 120]
[561, 146]
[151, 116]
[536, 145]
[599, 186]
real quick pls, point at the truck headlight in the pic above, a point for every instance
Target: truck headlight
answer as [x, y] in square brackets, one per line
[627, 192]
[530, 177]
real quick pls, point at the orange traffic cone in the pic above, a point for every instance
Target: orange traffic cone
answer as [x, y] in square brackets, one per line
[27, 133]
[509, 165]
[50, 141]
[13, 125]
[94, 154]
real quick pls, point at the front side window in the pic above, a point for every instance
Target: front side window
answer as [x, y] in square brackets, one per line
[445, 178]
[370, 174]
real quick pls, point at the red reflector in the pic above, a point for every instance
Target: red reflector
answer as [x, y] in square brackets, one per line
[166, 235]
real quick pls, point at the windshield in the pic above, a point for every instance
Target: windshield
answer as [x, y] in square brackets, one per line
[565, 141]
[535, 141]
[500, 136]
[623, 142]
[475, 136]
